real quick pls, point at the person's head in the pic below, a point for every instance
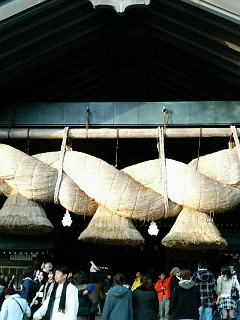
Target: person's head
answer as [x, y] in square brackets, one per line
[48, 266]
[175, 271]
[29, 273]
[146, 280]
[162, 276]
[119, 279]
[51, 275]
[42, 277]
[185, 274]
[202, 265]
[81, 277]
[236, 269]
[225, 271]
[138, 274]
[9, 292]
[109, 276]
[6, 278]
[61, 274]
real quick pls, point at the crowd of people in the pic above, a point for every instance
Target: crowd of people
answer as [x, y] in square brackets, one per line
[57, 294]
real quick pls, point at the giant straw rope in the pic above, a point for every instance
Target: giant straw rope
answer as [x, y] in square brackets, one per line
[89, 184]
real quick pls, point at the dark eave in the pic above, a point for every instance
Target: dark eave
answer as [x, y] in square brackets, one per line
[66, 50]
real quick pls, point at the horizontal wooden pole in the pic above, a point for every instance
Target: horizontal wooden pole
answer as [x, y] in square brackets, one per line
[112, 133]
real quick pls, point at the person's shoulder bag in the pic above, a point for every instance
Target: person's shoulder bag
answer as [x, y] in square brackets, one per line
[25, 317]
[234, 290]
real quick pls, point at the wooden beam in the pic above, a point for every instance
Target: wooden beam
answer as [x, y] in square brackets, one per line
[112, 133]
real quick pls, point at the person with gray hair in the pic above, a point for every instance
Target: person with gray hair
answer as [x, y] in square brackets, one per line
[175, 278]
[48, 267]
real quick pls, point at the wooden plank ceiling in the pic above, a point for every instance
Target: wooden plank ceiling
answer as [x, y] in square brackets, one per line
[66, 50]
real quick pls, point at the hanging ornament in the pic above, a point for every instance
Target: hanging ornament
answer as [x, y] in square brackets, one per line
[153, 229]
[67, 221]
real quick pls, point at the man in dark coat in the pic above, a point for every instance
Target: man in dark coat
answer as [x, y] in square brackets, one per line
[185, 300]
[175, 279]
[105, 286]
[145, 300]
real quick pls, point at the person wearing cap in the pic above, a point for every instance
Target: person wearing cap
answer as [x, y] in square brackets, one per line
[175, 278]
[14, 306]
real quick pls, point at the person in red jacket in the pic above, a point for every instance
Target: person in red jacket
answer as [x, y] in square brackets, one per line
[163, 290]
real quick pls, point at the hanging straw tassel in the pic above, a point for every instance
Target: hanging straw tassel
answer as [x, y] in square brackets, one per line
[110, 228]
[22, 216]
[194, 230]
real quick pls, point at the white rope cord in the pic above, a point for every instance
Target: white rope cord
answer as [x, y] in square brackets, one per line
[60, 169]
[164, 170]
[235, 136]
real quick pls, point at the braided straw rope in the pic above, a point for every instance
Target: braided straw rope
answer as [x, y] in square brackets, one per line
[60, 169]
[153, 189]
[164, 171]
[235, 136]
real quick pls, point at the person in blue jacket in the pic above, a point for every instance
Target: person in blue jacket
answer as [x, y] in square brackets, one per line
[118, 305]
[27, 285]
[14, 306]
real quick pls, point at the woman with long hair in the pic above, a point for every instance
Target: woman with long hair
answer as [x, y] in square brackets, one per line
[225, 283]
[39, 289]
[118, 304]
[49, 285]
[145, 300]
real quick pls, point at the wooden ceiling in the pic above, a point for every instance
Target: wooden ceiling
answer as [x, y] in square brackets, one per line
[66, 50]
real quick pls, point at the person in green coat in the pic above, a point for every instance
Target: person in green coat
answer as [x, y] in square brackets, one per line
[118, 305]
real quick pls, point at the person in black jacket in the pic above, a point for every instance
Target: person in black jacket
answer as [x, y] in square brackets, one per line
[145, 300]
[175, 278]
[185, 300]
[2, 294]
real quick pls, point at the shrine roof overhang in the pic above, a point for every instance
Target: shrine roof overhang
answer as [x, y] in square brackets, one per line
[169, 50]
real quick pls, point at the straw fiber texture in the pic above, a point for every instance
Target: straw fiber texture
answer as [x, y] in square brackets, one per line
[108, 227]
[222, 166]
[194, 230]
[114, 189]
[186, 186]
[20, 215]
[36, 181]
[5, 189]
[91, 186]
